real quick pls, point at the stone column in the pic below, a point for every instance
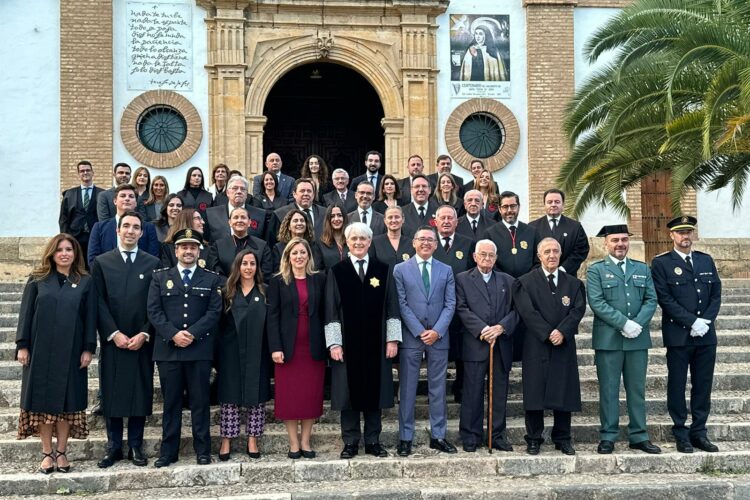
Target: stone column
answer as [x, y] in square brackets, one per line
[550, 84]
[254, 144]
[226, 86]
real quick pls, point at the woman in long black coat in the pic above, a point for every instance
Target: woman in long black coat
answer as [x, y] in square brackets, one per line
[194, 193]
[55, 340]
[244, 361]
[332, 244]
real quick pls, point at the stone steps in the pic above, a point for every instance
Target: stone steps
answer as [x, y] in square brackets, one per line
[462, 476]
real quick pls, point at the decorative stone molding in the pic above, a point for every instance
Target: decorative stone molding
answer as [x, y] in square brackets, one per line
[129, 129]
[497, 110]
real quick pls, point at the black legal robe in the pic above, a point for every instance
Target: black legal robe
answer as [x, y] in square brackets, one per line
[127, 377]
[382, 250]
[57, 323]
[361, 311]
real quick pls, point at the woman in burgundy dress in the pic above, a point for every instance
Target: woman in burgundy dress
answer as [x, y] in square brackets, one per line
[297, 344]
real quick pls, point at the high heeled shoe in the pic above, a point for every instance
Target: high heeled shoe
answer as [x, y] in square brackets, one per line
[252, 454]
[65, 469]
[47, 470]
[225, 456]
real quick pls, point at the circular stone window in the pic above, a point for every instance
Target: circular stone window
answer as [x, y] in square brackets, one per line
[161, 129]
[482, 135]
[485, 129]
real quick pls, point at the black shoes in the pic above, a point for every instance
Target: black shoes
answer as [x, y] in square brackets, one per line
[224, 457]
[349, 451]
[307, 453]
[566, 447]
[376, 450]
[294, 455]
[110, 458]
[252, 454]
[702, 443]
[533, 447]
[66, 468]
[203, 459]
[469, 447]
[684, 447]
[502, 445]
[404, 448]
[605, 447]
[442, 445]
[164, 461]
[646, 446]
[50, 469]
[137, 456]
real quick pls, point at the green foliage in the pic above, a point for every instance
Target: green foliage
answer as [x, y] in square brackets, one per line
[676, 98]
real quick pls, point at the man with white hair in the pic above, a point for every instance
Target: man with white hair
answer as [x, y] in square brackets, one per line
[217, 218]
[341, 193]
[360, 345]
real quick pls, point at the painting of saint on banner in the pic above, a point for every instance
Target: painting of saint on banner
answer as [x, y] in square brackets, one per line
[480, 55]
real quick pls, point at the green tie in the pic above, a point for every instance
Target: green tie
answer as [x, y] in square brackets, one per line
[425, 277]
[86, 198]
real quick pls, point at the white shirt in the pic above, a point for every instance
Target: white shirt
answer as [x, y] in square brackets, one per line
[417, 206]
[451, 239]
[684, 255]
[549, 221]
[472, 219]
[180, 268]
[546, 274]
[309, 214]
[486, 277]
[354, 260]
[429, 265]
[369, 215]
[617, 262]
[83, 192]
[133, 253]
[508, 225]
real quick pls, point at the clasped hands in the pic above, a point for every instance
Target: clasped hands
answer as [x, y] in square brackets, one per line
[490, 333]
[134, 343]
[700, 327]
[631, 329]
[183, 338]
[556, 337]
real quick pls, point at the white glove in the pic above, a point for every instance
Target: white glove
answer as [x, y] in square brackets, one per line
[694, 333]
[631, 329]
[700, 327]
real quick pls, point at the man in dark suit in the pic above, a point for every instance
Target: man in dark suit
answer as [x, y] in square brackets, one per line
[415, 165]
[373, 162]
[443, 165]
[484, 307]
[689, 292]
[184, 306]
[285, 182]
[122, 278]
[427, 300]
[551, 304]
[341, 193]
[104, 233]
[222, 252]
[420, 211]
[78, 207]
[568, 232]
[304, 201]
[364, 212]
[475, 221]
[105, 205]
[217, 218]
[455, 250]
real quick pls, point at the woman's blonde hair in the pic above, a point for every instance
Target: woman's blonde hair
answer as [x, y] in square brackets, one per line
[285, 269]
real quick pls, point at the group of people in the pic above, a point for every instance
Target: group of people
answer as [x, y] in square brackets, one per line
[257, 292]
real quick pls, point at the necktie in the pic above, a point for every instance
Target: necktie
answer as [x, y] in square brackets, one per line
[309, 216]
[343, 196]
[474, 226]
[86, 198]
[361, 263]
[551, 280]
[425, 277]
[186, 277]
[421, 213]
[512, 230]
[621, 265]
[689, 263]
[372, 179]
[447, 244]
[128, 257]
[364, 216]
[553, 225]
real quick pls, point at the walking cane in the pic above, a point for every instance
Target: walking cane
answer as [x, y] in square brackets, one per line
[489, 423]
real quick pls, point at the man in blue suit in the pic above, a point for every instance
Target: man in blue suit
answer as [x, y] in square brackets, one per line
[104, 233]
[427, 300]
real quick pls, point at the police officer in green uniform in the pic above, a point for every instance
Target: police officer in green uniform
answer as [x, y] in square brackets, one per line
[622, 296]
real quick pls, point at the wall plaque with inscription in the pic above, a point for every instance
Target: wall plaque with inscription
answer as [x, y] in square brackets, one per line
[159, 46]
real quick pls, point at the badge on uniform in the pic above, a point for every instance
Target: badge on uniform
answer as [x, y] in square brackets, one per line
[565, 235]
[514, 250]
[170, 284]
[609, 275]
[565, 300]
[524, 245]
[73, 285]
[678, 271]
[405, 256]
[459, 255]
[202, 262]
[257, 299]
[140, 276]
[374, 282]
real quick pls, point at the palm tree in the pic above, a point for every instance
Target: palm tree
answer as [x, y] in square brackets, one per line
[675, 98]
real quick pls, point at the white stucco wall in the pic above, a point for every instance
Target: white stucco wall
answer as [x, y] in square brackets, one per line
[198, 96]
[515, 176]
[29, 117]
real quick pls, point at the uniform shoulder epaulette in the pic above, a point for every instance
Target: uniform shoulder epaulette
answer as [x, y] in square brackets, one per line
[597, 262]
[698, 251]
[638, 261]
[210, 271]
[162, 269]
[663, 254]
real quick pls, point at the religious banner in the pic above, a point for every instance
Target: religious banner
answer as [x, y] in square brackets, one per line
[159, 46]
[480, 55]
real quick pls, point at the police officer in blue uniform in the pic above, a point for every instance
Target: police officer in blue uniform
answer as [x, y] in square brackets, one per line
[689, 292]
[184, 306]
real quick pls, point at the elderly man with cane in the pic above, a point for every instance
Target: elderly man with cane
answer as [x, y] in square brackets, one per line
[484, 305]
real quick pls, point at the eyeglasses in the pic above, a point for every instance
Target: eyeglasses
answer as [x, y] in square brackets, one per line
[425, 240]
[486, 255]
[509, 207]
[197, 218]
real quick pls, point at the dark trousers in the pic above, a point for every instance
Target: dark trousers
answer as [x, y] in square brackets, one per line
[115, 429]
[471, 424]
[351, 432]
[535, 426]
[175, 377]
[700, 360]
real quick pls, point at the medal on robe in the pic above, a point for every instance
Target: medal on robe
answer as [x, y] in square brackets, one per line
[565, 300]
[405, 256]
[257, 299]
[678, 271]
[524, 245]
[514, 250]
[170, 284]
[202, 262]
[565, 234]
[73, 285]
[140, 276]
[459, 255]
[374, 282]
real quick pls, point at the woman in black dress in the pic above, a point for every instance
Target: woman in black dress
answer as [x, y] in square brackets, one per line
[142, 183]
[55, 341]
[332, 244]
[315, 168]
[295, 225]
[194, 194]
[446, 193]
[389, 194]
[269, 197]
[243, 358]
[393, 246]
[169, 212]
[218, 190]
